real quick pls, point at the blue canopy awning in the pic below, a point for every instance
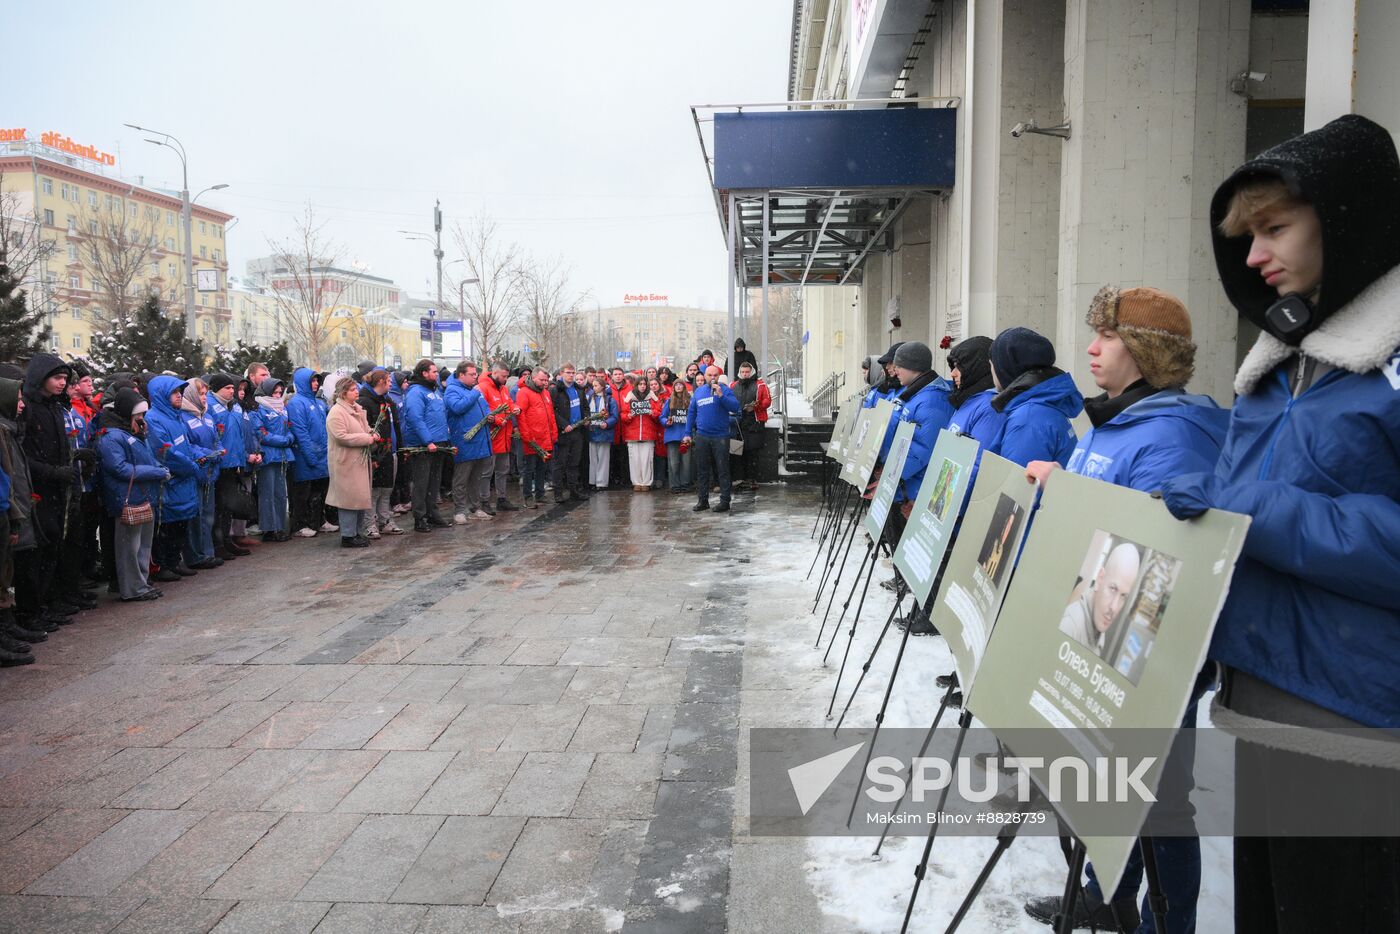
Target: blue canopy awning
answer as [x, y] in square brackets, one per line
[833, 181]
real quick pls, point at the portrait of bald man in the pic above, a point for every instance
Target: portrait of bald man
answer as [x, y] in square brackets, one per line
[1099, 605]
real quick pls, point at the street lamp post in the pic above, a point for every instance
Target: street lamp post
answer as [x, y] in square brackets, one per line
[186, 213]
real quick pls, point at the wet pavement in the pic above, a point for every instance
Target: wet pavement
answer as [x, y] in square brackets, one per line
[528, 724]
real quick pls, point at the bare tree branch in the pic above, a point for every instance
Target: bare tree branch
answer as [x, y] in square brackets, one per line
[304, 287]
[116, 245]
[547, 303]
[22, 242]
[492, 301]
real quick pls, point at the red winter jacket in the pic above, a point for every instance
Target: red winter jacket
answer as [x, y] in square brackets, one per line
[494, 395]
[618, 393]
[536, 418]
[643, 426]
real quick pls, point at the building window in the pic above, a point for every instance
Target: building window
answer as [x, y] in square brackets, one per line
[75, 281]
[170, 218]
[109, 202]
[72, 224]
[72, 252]
[63, 192]
[172, 270]
[48, 186]
[92, 228]
[203, 252]
[219, 231]
[203, 229]
[155, 270]
[216, 256]
[77, 313]
[170, 244]
[131, 209]
[48, 216]
[77, 342]
[92, 199]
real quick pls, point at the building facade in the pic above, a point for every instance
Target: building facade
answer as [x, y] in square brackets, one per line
[1148, 107]
[653, 334]
[107, 235]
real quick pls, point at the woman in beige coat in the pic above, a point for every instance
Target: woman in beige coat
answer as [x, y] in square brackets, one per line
[349, 438]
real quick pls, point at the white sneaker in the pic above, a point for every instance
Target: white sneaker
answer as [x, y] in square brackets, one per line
[481, 514]
[374, 533]
[402, 508]
[392, 529]
[306, 533]
[253, 530]
[460, 519]
[330, 527]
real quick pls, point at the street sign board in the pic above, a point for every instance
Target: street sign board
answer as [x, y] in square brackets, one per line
[624, 355]
[453, 326]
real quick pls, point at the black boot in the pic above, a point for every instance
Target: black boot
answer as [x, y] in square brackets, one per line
[421, 525]
[19, 633]
[1099, 915]
[10, 644]
[10, 659]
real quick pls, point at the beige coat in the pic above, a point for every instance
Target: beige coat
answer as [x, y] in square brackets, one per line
[348, 442]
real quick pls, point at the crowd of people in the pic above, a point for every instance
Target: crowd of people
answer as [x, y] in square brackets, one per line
[1305, 646]
[137, 480]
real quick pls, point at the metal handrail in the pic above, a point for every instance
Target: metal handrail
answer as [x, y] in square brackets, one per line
[825, 394]
[780, 402]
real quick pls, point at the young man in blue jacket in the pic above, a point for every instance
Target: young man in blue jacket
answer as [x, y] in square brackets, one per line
[466, 408]
[1307, 242]
[425, 428]
[707, 427]
[1146, 430]
[1037, 398]
[307, 412]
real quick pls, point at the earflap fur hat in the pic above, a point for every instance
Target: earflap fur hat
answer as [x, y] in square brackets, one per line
[1154, 326]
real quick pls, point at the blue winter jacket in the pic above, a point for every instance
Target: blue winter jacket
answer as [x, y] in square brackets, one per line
[424, 418]
[307, 412]
[669, 432]
[79, 435]
[1314, 606]
[930, 411]
[275, 429]
[231, 435]
[709, 413]
[1168, 434]
[978, 420]
[126, 459]
[1037, 424]
[165, 425]
[4, 491]
[935, 409]
[604, 433]
[203, 434]
[465, 408]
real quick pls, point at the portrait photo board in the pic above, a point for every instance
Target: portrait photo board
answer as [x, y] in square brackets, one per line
[1113, 561]
[929, 530]
[979, 569]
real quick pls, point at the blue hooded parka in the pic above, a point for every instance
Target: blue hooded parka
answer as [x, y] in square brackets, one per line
[307, 413]
[1037, 424]
[165, 425]
[424, 417]
[1151, 441]
[466, 408]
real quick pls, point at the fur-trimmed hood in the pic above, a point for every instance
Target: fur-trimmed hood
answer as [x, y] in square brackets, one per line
[1360, 337]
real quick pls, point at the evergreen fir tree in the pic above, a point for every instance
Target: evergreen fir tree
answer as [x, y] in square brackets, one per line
[148, 339]
[234, 360]
[23, 332]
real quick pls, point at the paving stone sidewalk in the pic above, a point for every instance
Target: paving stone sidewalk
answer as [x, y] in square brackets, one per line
[529, 724]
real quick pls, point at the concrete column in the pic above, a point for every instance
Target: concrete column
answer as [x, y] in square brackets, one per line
[1155, 129]
[1352, 65]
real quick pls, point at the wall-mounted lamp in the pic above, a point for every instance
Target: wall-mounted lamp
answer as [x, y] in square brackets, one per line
[1239, 84]
[1060, 130]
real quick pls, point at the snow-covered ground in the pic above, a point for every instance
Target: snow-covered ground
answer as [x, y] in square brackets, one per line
[857, 893]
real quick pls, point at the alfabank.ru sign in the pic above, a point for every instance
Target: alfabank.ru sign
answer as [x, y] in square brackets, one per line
[60, 142]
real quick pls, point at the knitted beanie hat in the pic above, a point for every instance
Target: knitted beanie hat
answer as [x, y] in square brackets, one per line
[1154, 326]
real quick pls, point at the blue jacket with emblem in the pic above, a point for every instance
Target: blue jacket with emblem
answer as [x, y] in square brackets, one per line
[306, 412]
[465, 408]
[603, 434]
[1037, 424]
[424, 418]
[165, 425]
[125, 461]
[202, 432]
[709, 413]
[1314, 606]
[274, 427]
[230, 435]
[978, 420]
[930, 412]
[1168, 434]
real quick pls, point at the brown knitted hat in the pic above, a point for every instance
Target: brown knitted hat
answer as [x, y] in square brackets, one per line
[1154, 326]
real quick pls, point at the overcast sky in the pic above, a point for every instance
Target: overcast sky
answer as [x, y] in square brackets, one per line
[568, 122]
